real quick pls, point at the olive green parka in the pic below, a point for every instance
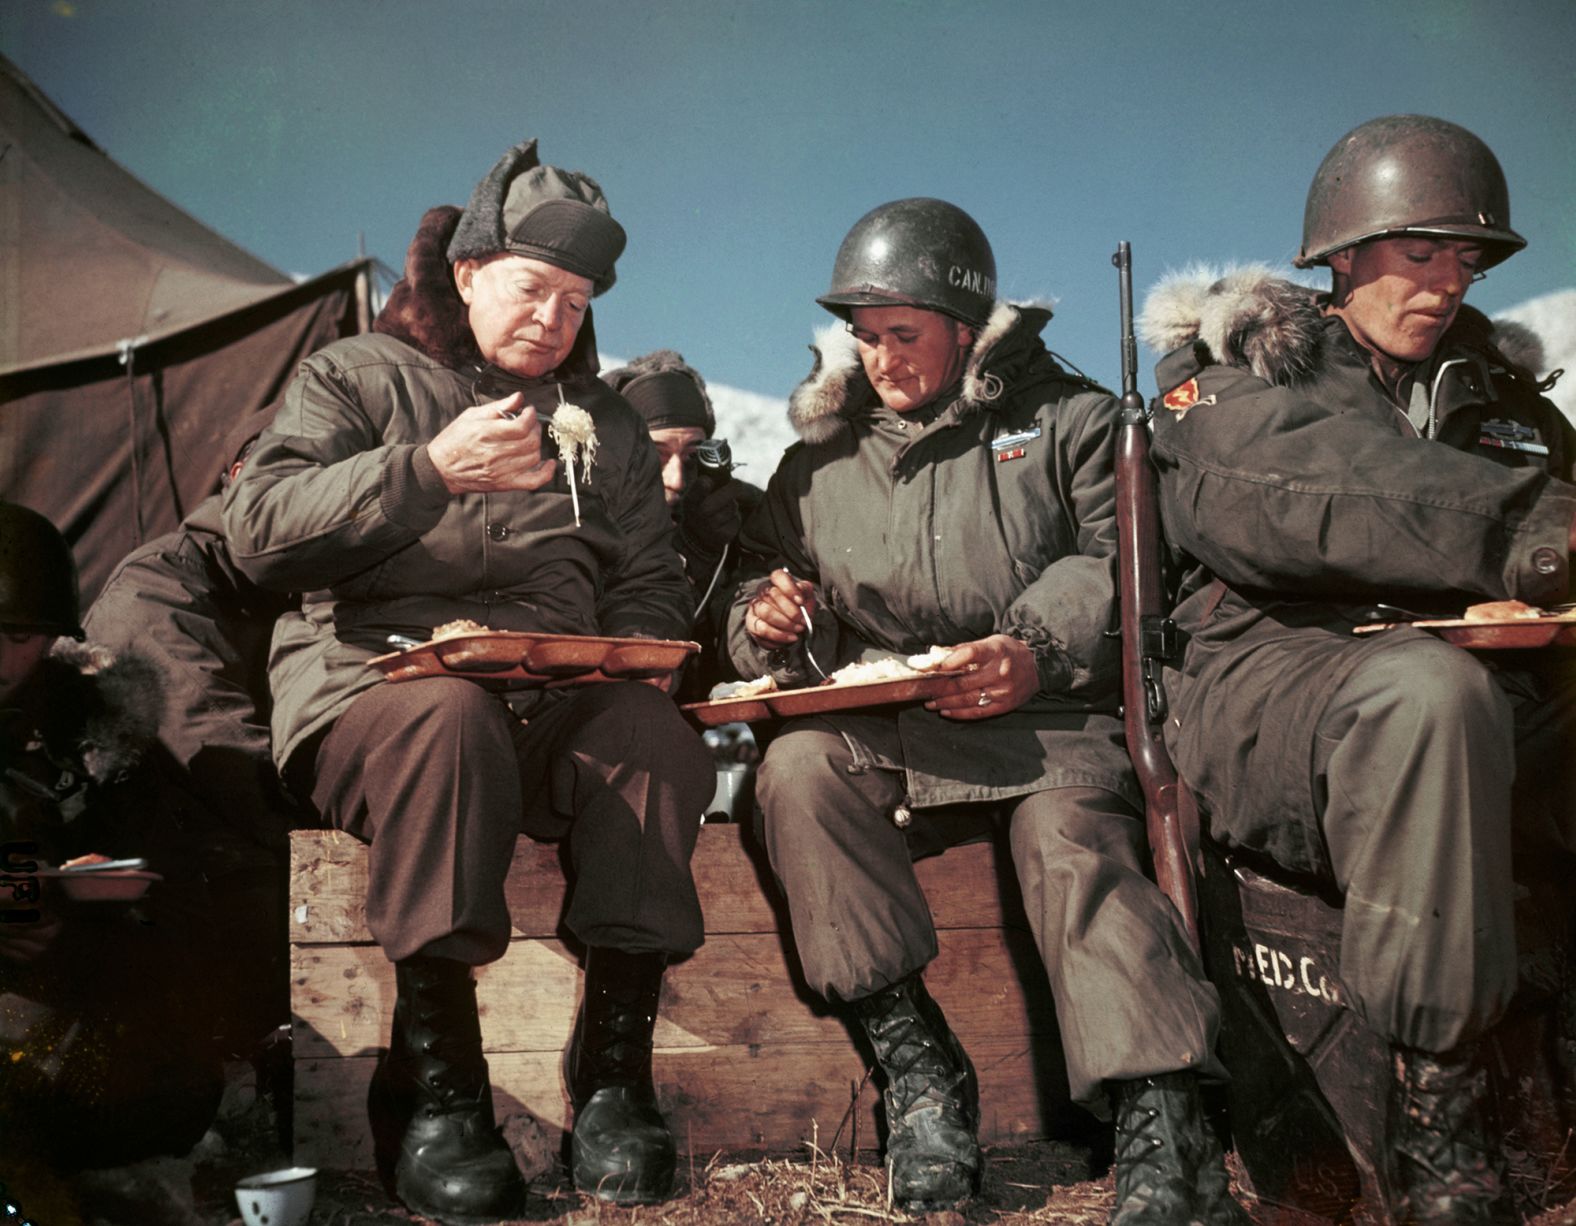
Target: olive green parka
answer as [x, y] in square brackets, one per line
[1299, 498]
[340, 501]
[995, 517]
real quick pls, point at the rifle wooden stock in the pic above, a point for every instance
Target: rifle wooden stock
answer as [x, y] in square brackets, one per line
[1170, 817]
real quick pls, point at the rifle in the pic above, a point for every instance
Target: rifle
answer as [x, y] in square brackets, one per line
[1149, 637]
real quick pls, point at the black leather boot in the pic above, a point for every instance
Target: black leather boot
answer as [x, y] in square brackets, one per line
[432, 1092]
[1169, 1165]
[932, 1098]
[620, 1150]
[1441, 1164]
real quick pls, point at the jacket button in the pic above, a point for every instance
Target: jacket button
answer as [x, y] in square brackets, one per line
[497, 531]
[1545, 561]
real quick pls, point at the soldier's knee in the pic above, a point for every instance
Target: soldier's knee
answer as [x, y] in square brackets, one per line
[643, 721]
[444, 703]
[796, 759]
[1071, 821]
[1437, 684]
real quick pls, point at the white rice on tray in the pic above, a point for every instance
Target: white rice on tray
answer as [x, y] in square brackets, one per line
[858, 673]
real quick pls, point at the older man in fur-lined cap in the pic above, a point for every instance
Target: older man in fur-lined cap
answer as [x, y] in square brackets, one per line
[406, 483]
[1324, 457]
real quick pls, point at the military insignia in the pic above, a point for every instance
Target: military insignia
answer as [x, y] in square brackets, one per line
[1182, 397]
[1510, 436]
[1011, 446]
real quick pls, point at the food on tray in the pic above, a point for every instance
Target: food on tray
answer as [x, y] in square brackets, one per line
[92, 857]
[743, 689]
[462, 625]
[864, 672]
[860, 673]
[1500, 610]
[930, 660]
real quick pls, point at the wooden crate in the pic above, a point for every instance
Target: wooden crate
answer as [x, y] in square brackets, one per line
[747, 1057]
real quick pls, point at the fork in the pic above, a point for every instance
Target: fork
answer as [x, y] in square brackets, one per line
[809, 628]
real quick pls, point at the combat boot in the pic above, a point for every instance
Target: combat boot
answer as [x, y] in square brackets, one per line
[431, 1091]
[1169, 1165]
[620, 1149]
[1441, 1165]
[932, 1098]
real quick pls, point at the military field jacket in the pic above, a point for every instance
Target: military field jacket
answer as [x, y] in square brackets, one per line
[340, 501]
[1300, 497]
[996, 517]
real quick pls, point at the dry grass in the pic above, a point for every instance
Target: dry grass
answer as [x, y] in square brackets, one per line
[1042, 1183]
[1035, 1182]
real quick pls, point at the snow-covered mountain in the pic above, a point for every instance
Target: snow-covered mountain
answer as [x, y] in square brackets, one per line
[755, 426]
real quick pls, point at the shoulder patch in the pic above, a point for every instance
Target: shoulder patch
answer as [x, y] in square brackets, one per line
[1184, 396]
[1181, 398]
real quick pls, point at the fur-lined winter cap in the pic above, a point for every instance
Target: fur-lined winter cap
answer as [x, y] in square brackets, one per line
[558, 216]
[665, 391]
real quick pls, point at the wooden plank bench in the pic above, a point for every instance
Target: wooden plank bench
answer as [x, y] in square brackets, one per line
[746, 1057]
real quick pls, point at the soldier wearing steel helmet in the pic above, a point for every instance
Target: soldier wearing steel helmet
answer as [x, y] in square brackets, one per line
[1324, 458]
[953, 486]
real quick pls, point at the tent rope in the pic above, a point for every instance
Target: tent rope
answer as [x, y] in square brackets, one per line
[128, 351]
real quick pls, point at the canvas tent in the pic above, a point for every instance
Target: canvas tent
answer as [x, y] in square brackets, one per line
[132, 337]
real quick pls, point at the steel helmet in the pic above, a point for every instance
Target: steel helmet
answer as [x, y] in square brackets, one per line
[915, 252]
[1408, 174]
[38, 577]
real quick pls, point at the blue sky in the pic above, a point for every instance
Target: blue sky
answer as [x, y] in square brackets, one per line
[737, 142]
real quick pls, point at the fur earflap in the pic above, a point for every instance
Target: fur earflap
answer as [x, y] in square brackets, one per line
[835, 386]
[424, 309]
[1247, 316]
[980, 386]
[107, 706]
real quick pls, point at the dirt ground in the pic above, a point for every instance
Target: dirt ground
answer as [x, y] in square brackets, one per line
[1040, 1182]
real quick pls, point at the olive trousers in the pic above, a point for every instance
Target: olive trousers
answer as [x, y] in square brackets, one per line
[1430, 767]
[438, 777]
[1131, 997]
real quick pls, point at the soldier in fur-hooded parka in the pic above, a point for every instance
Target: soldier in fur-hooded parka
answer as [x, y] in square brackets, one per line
[993, 516]
[1304, 502]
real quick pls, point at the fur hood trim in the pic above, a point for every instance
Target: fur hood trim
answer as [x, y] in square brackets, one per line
[425, 311]
[1263, 321]
[102, 707]
[1520, 345]
[1251, 317]
[837, 390]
